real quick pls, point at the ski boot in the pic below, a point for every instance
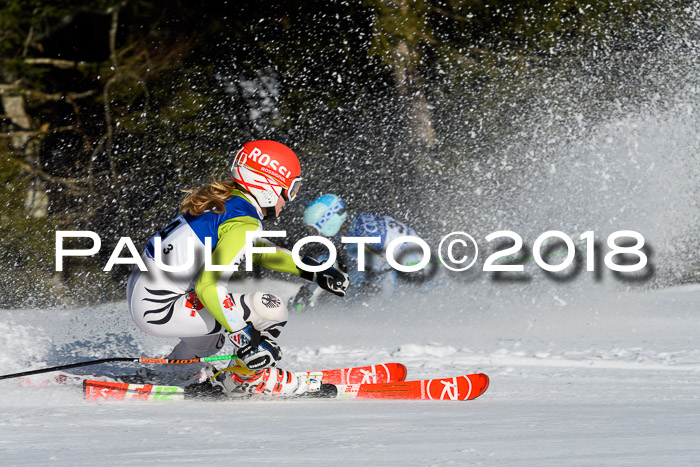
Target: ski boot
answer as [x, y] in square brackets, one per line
[272, 381]
[269, 381]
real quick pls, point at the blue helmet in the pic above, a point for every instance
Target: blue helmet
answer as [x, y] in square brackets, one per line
[326, 214]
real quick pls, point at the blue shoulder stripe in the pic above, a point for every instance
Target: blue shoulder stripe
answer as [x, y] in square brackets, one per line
[207, 225]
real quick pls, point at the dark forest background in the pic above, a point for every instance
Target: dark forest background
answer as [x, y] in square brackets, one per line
[110, 108]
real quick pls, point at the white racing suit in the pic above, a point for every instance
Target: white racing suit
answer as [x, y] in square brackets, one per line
[194, 304]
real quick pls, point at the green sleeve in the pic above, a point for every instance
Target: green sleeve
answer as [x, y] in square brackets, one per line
[281, 260]
[212, 286]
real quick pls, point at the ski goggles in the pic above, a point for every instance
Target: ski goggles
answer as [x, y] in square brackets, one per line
[290, 193]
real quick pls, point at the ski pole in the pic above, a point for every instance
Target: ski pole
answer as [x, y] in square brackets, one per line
[165, 361]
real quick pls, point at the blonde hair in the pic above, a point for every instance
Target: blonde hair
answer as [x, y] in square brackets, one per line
[210, 197]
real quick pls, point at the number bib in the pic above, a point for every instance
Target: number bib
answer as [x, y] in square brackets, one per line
[387, 229]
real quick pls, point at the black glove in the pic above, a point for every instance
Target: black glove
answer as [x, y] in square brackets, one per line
[254, 349]
[334, 279]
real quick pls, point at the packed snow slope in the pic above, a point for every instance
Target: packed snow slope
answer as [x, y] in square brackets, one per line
[579, 376]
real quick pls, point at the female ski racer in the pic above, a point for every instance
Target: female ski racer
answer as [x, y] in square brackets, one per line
[327, 216]
[179, 296]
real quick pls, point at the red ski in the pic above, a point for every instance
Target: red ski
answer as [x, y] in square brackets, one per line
[382, 373]
[463, 387]
[458, 388]
[57, 378]
[101, 390]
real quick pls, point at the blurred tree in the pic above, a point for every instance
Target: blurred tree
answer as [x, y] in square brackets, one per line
[110, 107]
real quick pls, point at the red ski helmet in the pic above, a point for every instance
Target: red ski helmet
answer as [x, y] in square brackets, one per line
[268, 170]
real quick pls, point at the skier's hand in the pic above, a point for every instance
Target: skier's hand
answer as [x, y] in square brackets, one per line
[334, 279]
[256, 350]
